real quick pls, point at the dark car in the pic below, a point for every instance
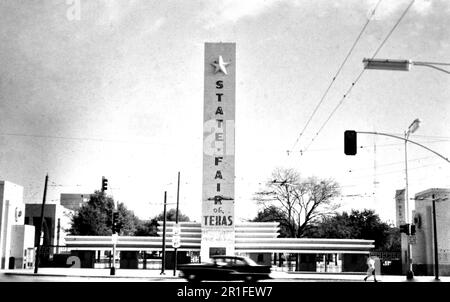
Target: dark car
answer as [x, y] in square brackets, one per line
[225, 268]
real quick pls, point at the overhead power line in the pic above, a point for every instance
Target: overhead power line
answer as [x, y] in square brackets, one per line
[393, 28]
[334, 111]
[336, 75]
[357, 78]
[378, 145]
[444, 138]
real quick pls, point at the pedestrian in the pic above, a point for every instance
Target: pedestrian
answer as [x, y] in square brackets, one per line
[371, 269]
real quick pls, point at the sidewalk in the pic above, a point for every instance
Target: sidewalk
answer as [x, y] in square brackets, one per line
[146, 274]
[91, 272]
[358, 277]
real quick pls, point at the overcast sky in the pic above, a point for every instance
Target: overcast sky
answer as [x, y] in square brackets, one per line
[116, 89]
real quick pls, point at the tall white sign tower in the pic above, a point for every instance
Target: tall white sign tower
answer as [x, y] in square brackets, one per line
[218, 150]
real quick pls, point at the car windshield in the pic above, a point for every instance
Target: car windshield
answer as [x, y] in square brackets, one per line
[232, 261]
[250, 261]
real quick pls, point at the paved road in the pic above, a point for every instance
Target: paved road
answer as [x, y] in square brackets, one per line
[16, 278]
[29, 278]
[122, 275]
[42, 278]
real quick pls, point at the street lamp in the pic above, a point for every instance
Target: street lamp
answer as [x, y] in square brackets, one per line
[402, 65]
[411, 129]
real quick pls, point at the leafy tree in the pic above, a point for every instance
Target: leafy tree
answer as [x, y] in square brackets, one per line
[299, 203]
[365, 224]
[333, 227]
[146, 228]
[95, 217]
[150, 227]
[127, 220]
[171, 216]
[393, 240]
[272, 213]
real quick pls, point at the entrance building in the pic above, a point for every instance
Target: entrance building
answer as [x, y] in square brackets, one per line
[258, 240]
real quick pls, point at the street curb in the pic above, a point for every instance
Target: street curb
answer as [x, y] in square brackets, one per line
[328, 273]
[84, 276]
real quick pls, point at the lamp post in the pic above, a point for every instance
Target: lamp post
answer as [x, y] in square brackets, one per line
[411, 129]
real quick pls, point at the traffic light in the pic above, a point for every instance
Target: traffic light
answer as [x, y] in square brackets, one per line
[404, 228]
[413, 229]
[104, 184]
[115, 223]
[350, 142]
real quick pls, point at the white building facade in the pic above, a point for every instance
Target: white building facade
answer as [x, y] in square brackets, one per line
[16, 239]
[423, 249]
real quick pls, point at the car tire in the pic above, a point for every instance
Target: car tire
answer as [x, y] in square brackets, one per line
[193, 278]
[249, 279]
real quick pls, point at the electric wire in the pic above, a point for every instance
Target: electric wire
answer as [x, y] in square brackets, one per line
[378, 145]
[336, 75]
[358, 77]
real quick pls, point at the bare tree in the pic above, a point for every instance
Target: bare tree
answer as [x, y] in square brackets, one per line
[300, 202]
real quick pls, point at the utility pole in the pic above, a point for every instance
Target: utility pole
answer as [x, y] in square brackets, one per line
[57, 235]
[176, 223]
[112, 270]
[163, 262]
[436, 255]
[38, 250]
[409, 273]
[114, 236]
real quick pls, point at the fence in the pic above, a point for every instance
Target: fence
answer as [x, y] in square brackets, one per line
[386, 256]
[391, 262]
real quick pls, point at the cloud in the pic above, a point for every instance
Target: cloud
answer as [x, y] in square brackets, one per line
[220, 12]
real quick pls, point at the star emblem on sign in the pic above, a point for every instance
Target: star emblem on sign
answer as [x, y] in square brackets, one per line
[220, 65]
